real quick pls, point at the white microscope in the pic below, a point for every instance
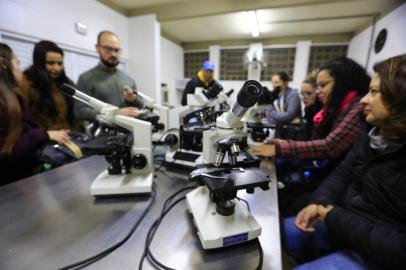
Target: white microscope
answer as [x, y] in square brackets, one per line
[162, 111]
[220, 219]
[130, 169]
[199, 115]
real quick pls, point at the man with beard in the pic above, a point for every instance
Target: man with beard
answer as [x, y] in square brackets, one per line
[107, 83]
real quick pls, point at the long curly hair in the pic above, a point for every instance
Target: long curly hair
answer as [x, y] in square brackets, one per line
[392, 73]
[9, 104]
[40, 78]
[348, 76]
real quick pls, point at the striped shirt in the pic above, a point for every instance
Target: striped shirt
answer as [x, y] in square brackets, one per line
[336, 144]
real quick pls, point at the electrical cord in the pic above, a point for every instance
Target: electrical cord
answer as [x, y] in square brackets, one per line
[248, 205]
[102, 254]
[260, 251]
[154, 227]
[159, 141]
[261, 255]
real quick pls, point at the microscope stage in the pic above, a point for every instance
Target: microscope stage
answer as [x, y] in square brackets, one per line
[122, 184]
[215, 230]
[183, 158]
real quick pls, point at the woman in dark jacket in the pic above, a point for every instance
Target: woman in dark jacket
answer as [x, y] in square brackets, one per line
[19, 135]
[361, 206]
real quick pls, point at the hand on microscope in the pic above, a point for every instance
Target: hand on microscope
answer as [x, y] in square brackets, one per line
[268, 149]
[59, 136]
[129, 94]
[129, 111]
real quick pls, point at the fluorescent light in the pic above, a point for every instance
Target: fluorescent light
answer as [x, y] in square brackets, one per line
[253, 22]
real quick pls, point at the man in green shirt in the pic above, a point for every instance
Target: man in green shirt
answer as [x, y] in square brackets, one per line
[107, 83]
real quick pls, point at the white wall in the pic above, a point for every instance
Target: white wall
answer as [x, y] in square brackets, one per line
[395, 24]
[145, 54]
[171, 67]
[55, 20]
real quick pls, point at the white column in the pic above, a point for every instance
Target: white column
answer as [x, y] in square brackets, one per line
[301, 62]
[214, 57]
[145, 54]
[254, 55]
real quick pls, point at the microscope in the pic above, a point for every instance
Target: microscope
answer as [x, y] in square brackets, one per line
[204, 106]
[161, 111]
[255, 119]
[129, 155]
[229, 166]
[211, 97]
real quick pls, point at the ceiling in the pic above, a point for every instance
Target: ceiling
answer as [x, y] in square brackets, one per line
[188, 21]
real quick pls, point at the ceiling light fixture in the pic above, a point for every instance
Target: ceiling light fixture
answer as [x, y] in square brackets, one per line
[253, 22]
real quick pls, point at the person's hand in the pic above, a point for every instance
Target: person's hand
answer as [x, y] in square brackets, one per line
[264, 150]
[323, 211]
[276, 141]
[129, 95]
[129, 111]
[59, 136]
[307, 217]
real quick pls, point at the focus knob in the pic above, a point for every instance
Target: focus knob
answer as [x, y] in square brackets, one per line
[139, 161]
[171, 140]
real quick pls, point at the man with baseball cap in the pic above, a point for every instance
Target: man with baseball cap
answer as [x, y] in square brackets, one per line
[204, 79]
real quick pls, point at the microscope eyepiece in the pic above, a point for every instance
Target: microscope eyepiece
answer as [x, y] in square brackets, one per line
[249, 94]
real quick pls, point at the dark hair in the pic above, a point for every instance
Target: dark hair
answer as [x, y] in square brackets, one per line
[40, 78]
[99, 36]
[9, 104]
[282, 75]
[392, 73]
[348, 76]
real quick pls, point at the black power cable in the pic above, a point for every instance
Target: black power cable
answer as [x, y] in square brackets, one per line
[154, 227]
[261, 255]
[107, 251]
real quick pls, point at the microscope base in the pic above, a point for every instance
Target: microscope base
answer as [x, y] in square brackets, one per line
[123, 184]
[216, 231]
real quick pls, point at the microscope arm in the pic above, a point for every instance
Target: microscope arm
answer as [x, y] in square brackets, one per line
[141, 130]
[99, 106]
[163, 111]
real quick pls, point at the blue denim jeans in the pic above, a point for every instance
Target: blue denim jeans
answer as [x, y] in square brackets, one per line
[304, 246]
[343, 259]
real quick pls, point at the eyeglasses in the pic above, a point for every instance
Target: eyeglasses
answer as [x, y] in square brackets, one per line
[321, 85]
[110, 49]
[306, 94]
